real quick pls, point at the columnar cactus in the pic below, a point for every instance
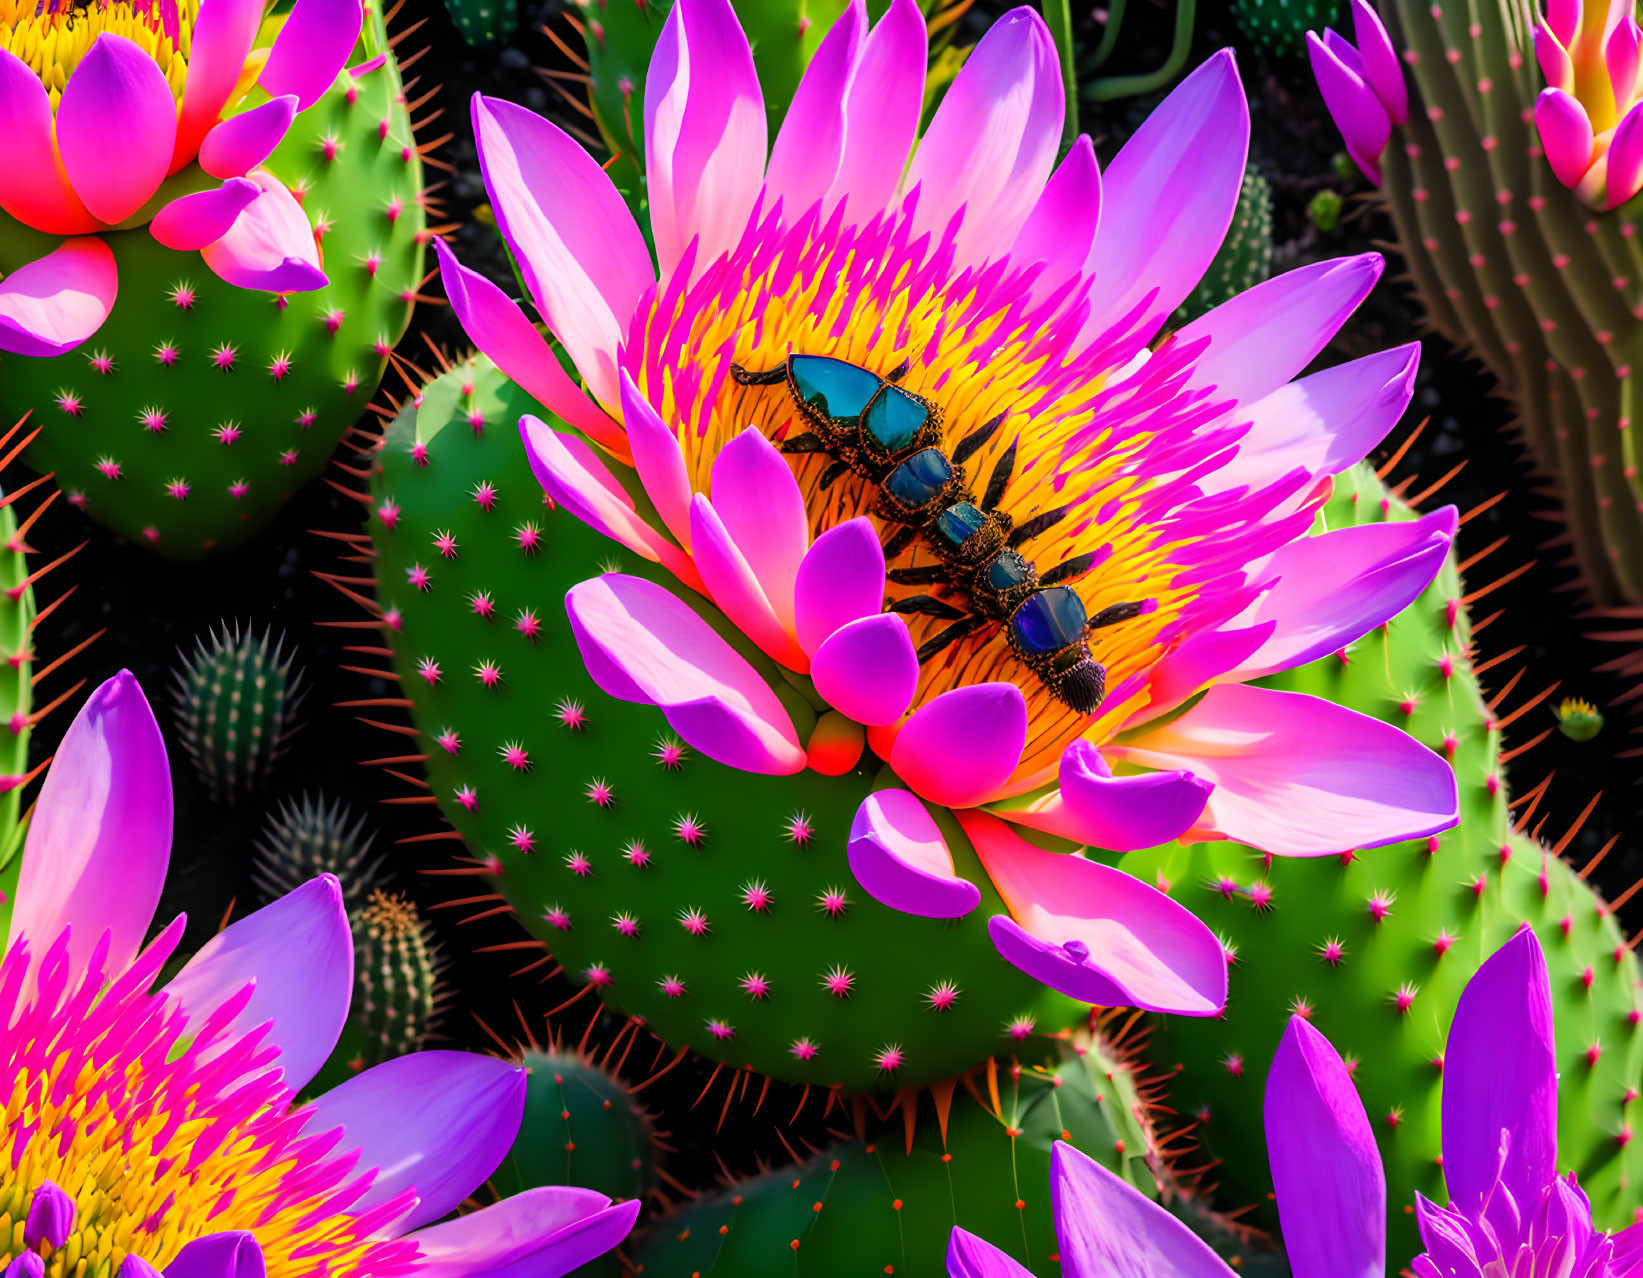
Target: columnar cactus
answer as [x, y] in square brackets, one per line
[237, 698]
[1375, 947]
[311, 836]
[397, 967]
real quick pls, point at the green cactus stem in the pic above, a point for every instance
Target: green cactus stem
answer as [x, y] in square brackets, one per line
[397, 967]
[236, 703]
[311, 836]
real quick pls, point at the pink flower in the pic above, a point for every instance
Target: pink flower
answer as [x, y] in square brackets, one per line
[1588, 119]
[1362, 86]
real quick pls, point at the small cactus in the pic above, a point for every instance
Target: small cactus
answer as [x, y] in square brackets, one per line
[311, 836]
[1277, 28]
[397, 967]
[236, 702]
[1578, 719]
[484, 22]
[1245, 256]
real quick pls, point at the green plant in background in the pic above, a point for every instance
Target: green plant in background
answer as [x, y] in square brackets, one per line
[397, 967]
[1277, 28]
[484, 22]
[1245, 256]
[237, 699]
[311, 836]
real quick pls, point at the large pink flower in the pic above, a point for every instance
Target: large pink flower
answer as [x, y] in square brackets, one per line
[1167, 487]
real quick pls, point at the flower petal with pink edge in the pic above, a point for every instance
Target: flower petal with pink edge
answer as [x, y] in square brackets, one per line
[959, 749]
[1169, 195]
[658, 459]
[542, 1233]
[1565, 135]
[1095, 933]
[312, 47]
[732, 584]
[270, 246]
[1106, 1228]
[971, 1257]
[993, 140]
[1326, 1170]
[468, 1110]
[641, 643]
[54, 303]
[190, 222]
[805, 159]
[100, 839]
[1300, 776]
[1120, 814]
[1623, 174]
[577, 246]
[1336, 587]
[1060, 231]
[34, 189]
[900, 859]
[574, 476]
[1360, 115]
[241, 142]
[840, 579]
[1267, 334]
[759, 502]
[222, 37]
[1381, 68]
[495, 324]
[116, 123]
[882, 107]
[298, 953]
[868, 669]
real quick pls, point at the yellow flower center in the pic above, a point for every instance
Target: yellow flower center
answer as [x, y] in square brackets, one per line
[52, 42]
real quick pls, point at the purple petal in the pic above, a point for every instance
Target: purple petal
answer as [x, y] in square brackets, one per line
[33, 187]
[100, 839]
[241, 142]
[805, 159]
[1200, 660]
[1500, 1080]
[224, 31]
[840, 579]
[732, 584]
[468, 1109]
[882, 108]
[1093, 932]
[1325, 1167]
[989, 718]
[541, 1233]
[116, 123]
[1120, 814]
[969, 1257]
[226, 1255]
[900, 859]
[50, 1217]
[705, 133]
[311, 48]
[1060, 231]
[1620, 55]
[758, 500]
[1109, 1229]
[992, 143]
[190, 222]
[1380, 61]
[54, 303]
[658, 459]
[1625, 159]
[299, 953]
[1565, 135]
[1299, 776]
[1358, 113]
[1169, 196]
[868, 670]
[134, 1266]
[642, 644]
[270, 246]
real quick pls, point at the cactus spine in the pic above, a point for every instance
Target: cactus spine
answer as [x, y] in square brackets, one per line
[311, 836]
[396, 979]
[236, 703]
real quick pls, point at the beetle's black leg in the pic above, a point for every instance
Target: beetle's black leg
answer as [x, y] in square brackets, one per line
[975, 439]
[1001, 477]
[899, 371]
[770, 377]
[809, 442]
[831, 475]
[930, 606]
[1077, 566]
[1111, 616]
[902, 539]
[953, 633]
[923, 575]
[1038, 524]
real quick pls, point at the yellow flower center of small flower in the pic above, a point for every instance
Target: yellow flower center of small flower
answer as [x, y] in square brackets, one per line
[52, 42]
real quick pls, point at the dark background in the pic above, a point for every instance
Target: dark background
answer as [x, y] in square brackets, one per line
[151, 608]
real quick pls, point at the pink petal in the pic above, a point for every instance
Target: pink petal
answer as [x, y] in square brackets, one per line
[1336, 587]
[1625, 159]
[498, 327]
[971, 1257]
[223, 34]
[311, 48]
[705, 132]
[241, 142]
[97, 847]
[805, 159]
[1107, 1228]
[270, 246]
[1169, 195]
[757, 498]
[1120, 814]
[1381, 67]
[576, 244]
[900, 859]
[1060, 231]
[868, 669]
[1326, 1169]
[299, 955]
[1360, 116]
[116, 123]
[882, 108]
[1322, 423]
[1267, 334]
[33, 187]
[542, 1233]
[658, 459]
[1299, 776]
[1095, 933]
[1201, 659]
[990, 719]
[1565, 135]
[732, 584]
[576, 479]
[190, 222]
[1555, 63]
[840, 579]
[642, 644]
[1620, 55]
[1563, 18]
[54, 303]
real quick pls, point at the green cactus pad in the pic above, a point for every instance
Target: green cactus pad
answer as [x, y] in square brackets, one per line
[1376, 949]
[885, 1208]
[396, 980]
[1277, 28]
[311, 836]
[484, 22]
[236, 702]
[1245, 256]
[713, 903]
[198, 408]
[17, 618]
